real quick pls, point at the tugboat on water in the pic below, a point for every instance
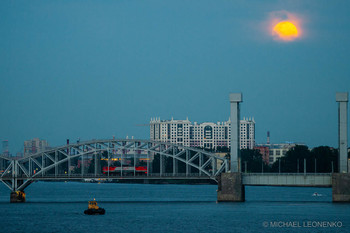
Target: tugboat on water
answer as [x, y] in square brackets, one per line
[93, 209]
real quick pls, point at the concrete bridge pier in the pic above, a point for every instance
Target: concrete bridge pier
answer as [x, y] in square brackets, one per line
[17, 197]
[341, 180]
[341, 187]
[230, 185]
[231, 188]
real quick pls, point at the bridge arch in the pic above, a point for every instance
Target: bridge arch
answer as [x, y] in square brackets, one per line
[57, 163]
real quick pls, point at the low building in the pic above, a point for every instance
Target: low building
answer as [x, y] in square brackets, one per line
[277, 151]
[265, 152]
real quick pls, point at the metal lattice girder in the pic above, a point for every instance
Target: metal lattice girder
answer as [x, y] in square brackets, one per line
[7, 183]
[8, 169]
[49, 156]
[25, 171]
[194, 157]
[206, 163]
[222, 168]
[142, 146]
[180, 153]
[5, 158]
[64, 153]
[25, 184]
[36, 162]
[21, 172]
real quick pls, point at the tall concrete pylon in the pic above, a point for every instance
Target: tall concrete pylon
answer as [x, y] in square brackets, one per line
[342, 98]
[235, 99]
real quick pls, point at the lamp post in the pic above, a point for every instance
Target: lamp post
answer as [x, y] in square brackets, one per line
[279, 165]
[297, 165]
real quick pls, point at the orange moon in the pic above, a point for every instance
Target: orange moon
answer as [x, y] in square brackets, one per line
[286, 31]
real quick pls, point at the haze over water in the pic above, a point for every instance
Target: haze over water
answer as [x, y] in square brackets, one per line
[59, 206]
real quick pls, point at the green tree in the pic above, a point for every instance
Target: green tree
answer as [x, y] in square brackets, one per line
[289, 162]
[322, 155]
[254, 161]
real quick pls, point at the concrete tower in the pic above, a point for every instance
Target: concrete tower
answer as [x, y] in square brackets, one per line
[342, 98]
[235, 99]
[230, 186]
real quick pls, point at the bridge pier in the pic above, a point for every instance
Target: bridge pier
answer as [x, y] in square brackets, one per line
[341, 187]
[17, 197]
[231, 188]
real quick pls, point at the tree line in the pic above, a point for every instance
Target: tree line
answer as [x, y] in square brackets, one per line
[322, 159]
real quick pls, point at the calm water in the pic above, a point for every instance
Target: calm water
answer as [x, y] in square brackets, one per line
[58, 207]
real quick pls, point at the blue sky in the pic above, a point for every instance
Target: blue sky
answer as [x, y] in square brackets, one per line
[94, 69]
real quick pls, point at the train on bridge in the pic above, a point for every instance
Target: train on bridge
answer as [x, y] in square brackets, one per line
[125, 170]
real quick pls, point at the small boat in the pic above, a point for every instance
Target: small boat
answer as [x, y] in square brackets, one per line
[316, 194]
[93, 209]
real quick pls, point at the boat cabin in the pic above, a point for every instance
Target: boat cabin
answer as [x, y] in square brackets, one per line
[93, 205]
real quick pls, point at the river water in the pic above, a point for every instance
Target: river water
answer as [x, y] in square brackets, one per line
[59, 207]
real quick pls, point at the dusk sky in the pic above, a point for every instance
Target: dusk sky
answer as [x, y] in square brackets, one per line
[94, 69]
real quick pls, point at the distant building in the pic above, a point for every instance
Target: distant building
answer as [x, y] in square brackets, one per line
[19, 155]
[279, 150]
[272, 152]
[247, 133]
[276, 151]
[5, 148]
[206, 135]
[84, 163]
[265, 152]
[35, 146]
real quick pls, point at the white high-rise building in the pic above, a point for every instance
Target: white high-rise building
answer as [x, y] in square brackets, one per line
[205, 135]
[247, 133]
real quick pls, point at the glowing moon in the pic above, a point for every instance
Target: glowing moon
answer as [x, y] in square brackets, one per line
[285, 30]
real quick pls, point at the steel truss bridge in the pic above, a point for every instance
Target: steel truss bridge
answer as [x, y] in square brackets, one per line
[87, 160]
[106, 159]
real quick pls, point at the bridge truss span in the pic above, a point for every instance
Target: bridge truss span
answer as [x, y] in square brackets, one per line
[112, 159]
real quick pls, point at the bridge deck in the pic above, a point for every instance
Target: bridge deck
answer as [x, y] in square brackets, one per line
[251, 179]
[288, 179]
[154, 176]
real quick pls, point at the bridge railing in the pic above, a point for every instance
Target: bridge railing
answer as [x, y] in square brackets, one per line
[82, 176]
[178, 175]
[285, 174]
[23, 176]
[288, 179]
